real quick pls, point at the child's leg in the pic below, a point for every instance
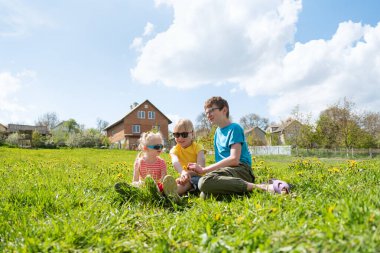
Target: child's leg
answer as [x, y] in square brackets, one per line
[170, 187]
[183, 188]
[227, 180]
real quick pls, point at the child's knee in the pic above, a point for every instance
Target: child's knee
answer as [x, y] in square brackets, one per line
[205, 183]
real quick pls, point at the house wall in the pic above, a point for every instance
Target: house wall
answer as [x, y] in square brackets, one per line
[2, 128]
[116, 133]
[146, 124]
[122, 131]
[256, 137]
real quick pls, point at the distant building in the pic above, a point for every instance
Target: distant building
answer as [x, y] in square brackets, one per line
[3, 132]
[284, 133]
[26, 131]
[3, 129]
[143, 117]
[255, 136]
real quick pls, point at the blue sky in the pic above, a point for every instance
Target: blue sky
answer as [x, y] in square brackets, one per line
[91, 60]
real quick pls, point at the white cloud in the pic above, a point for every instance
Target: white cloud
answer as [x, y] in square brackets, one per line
[137, 43]
[247, 43]
[149, 28]
[10, 85]
[318, 73]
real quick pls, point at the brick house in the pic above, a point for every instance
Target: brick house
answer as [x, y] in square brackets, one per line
[142, 118]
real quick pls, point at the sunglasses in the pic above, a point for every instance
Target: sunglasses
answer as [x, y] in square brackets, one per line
[184, 134]
[156, 147]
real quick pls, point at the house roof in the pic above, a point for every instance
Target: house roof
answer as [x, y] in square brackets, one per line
[253, 128]
[12, 128]
[1, 125]
[133, 110]
[283, 126]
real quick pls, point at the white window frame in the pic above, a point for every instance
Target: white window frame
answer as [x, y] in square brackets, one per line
[141, 114]
[151, 114]
[136, 129]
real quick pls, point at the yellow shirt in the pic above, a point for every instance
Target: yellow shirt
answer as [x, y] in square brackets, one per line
[187, 155]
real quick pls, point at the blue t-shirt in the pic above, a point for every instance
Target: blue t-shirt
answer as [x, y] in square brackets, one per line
[227, 136]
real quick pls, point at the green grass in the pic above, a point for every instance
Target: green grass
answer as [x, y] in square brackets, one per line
[63, 200]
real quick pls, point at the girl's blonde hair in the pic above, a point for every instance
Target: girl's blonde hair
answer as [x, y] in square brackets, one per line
[184, 125]
[147, 138]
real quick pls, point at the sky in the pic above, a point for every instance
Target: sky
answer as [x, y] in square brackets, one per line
[91, 59]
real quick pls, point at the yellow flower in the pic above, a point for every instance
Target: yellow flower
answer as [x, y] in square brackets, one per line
[120, 175]
[352, 164]
[371, 217]
[240, 219]
[273, 210]
[217, 216]
[334, 170]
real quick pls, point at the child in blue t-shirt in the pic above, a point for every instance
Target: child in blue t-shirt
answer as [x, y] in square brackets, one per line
[231, 172]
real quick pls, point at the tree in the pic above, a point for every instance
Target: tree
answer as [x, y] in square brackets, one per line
[303, 133]
[37, 140]
[338, 126]
[48, 119]
[252, 120]
[202, 123]
[101, 124]
[207, 141]
[370, 125]
[87, 138]
[72, 126]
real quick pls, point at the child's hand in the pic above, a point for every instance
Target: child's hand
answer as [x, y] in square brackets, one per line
[185, 177]
[195, 167]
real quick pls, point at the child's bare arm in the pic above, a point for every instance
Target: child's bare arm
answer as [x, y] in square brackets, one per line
[232, 160]
[176, 163]
[201, 160]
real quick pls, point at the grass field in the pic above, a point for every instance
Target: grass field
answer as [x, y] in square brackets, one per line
[63, 200]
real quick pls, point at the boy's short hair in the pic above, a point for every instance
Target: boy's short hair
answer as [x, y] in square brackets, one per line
[219, 102]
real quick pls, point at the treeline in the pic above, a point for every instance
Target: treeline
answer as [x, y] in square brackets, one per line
[61, 134]
[338, 126]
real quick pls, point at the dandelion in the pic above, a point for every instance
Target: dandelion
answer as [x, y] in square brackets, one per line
[120, 175]
[240, 219]
[371, 217]
[217, 216]
[352, 164]
[334, 170]
[273, 210]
